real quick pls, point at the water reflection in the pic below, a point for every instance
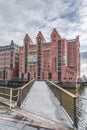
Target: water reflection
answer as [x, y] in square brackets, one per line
[81, 107]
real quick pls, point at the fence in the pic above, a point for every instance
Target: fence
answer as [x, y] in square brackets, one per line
[9, 96]
[67, 100]
[14, 96]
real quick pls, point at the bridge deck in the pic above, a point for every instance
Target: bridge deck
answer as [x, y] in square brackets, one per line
[41, 101]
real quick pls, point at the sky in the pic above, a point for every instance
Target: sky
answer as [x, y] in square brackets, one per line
[18, 17]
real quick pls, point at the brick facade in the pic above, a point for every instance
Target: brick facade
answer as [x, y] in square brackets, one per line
[57, 60]
[9, 61]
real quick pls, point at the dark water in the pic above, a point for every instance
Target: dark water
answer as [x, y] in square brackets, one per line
[81, 107]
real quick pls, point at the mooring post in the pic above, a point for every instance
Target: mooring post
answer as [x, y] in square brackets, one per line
[75, 114]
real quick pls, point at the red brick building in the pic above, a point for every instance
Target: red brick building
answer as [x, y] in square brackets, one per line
[9, 61]
[57, 60]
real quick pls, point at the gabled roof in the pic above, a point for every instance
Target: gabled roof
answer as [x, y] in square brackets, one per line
[55, 32]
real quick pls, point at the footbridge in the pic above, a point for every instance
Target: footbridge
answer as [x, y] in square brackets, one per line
[44, 102]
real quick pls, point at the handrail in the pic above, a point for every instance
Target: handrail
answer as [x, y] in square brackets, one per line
[9, 88]
[5, 94]
[20, 92]
[24, 86]
[23, 91]
[63, 90]
[74, 97]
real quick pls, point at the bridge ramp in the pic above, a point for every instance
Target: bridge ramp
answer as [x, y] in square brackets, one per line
[41, 101]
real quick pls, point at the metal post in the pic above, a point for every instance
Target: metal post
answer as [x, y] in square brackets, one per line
[18, 94]
[75, 114]
[10, 98]
[60, 98]
[55, 91]
[20, 97]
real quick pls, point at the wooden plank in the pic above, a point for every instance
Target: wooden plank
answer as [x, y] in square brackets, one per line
[24, 86]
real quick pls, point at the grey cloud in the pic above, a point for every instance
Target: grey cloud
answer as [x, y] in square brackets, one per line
[18, 17]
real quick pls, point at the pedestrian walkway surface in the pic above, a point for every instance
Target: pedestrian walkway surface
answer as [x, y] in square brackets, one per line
[10, 120]
[41, 101]
[18, 119]
[7, 102]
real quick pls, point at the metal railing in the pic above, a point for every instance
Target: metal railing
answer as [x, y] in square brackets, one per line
[9, 96]
[23, 91]
[67, 100]
[14, 96]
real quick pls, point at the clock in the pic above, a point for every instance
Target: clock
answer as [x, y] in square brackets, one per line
[26, 41]
[39, 39]
[54, 38]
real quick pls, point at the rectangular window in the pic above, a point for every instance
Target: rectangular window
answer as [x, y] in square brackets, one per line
[54, 64]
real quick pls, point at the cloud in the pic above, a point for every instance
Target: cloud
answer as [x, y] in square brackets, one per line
[18, 17]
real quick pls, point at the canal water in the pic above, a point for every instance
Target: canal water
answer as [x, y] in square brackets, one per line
[81, 107]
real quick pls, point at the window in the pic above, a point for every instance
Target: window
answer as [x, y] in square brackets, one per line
[64, 78]
[54, 64]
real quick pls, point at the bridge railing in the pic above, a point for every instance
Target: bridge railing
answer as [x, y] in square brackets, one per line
[9, 95]
[23, 91]
[14, 96]
[67, 100]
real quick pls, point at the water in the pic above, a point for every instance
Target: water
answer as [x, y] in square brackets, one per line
[81, 107]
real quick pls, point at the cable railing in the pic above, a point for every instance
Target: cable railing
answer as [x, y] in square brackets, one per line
[14, 96]
[67, 100]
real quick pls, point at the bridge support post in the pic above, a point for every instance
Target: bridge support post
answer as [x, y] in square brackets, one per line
[20, 97]
[75, 114]
[10, 98]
